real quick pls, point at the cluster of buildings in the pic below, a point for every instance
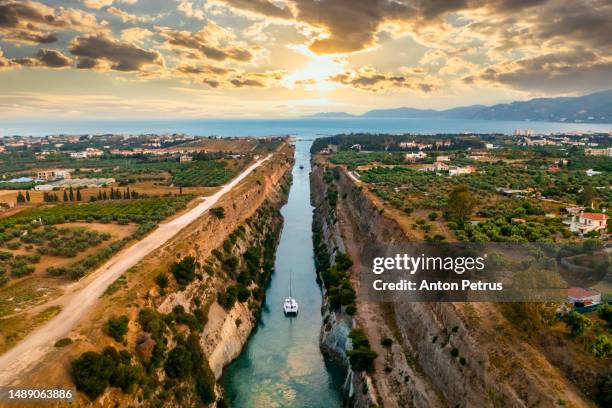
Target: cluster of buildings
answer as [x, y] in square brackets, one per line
[557, 140]
[523, 132]
[52, 144]
[421, 146]
[598, 152]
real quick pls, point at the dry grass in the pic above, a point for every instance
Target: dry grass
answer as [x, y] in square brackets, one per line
[15, 328]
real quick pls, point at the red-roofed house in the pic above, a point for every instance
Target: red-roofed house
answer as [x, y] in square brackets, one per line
[584, 297]
[583, 223]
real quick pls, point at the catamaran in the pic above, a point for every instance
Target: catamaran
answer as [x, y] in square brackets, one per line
[290, 305]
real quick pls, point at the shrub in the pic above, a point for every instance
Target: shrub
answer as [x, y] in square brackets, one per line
[432, 216]
[605, 313]
[162, 280]
[184, 270]
[178, 363]
[577, 323]
[125, 376]
[91, 373]
[116, 327]
[63, 342]
[602, 346]
[361, 357]
[218, 212]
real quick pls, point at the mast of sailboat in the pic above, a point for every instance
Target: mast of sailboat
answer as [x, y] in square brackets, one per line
[290, 275]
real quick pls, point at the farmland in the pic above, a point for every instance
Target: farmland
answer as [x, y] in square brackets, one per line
[542, 181]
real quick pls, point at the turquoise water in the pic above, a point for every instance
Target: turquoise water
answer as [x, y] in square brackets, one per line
[312, 127]
[282, 365]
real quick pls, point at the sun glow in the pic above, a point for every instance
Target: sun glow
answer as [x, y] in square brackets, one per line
[316, 74]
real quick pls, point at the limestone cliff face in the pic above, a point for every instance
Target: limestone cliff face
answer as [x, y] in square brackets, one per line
[458, 354]
[334, 341]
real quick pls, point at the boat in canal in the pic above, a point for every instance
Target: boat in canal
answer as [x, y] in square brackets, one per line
[290, 305]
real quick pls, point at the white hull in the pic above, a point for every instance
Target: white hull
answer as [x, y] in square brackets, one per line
[290, 306]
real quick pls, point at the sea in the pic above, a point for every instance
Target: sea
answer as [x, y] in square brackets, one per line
[307, 127]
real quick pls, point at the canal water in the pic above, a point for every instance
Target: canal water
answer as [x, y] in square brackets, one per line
[282, 365]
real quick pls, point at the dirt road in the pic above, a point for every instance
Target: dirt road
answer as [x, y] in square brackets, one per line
[85, 293]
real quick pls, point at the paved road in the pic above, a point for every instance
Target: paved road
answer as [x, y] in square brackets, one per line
[85, 293]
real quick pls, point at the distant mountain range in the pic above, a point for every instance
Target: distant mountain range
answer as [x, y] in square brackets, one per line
[593, 108]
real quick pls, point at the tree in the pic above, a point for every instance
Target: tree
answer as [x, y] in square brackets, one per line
[27, 196]
[116, 327]
[387, 343]
[65, 196]
[99, 195]
[71, 194]
[179, 363]
[78, 195]
[461, 202]
[184, 270]
[91, 373]
[588, 195]
[20, 198]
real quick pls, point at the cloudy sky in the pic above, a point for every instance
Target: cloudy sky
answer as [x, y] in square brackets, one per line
[269, 58]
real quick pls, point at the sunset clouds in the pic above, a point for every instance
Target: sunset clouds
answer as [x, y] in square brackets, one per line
[428, 50]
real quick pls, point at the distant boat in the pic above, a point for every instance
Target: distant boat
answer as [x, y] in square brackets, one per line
[290, 305]
[301, 167]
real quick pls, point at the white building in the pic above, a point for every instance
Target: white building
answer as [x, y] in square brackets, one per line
[437, 166]
[185, 159]
[456, 171]
[92, 152]
[54, 174]
[591, 172]
[78, 155]
[415, 156]
[583, 223]
[442, 158]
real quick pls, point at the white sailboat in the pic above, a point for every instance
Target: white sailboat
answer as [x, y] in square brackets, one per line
[290, 305]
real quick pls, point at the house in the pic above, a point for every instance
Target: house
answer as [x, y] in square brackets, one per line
[585, 222]
[357, 147]
[185, 159]
[414, 156]
[554, 167]
[442, 158]
[92, 152]
[456, 171]
[437, 166]
[54, 174]
[78, 155]
[580, 297]
[591, 173]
